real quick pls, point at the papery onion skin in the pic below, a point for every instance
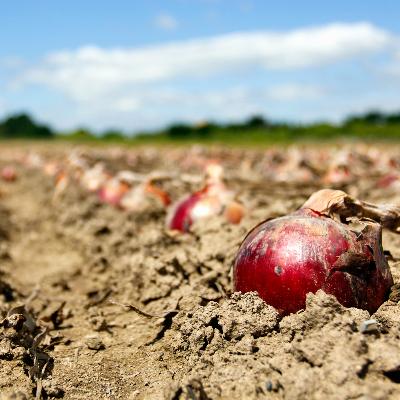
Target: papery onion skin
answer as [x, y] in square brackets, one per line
[286, 258]
[158, 193]
[143, 196]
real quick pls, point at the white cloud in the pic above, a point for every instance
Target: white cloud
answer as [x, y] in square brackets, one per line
[293, 92]
[217, 100]
[393, 67]
[89, 72]
[126, 104]
[227, 77]
[159, 106]
[166, 22]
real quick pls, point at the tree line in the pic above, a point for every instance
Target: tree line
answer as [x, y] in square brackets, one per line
[373, 124]
[22, 126]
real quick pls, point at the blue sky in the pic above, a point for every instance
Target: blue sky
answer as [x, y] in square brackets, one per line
[141, 65]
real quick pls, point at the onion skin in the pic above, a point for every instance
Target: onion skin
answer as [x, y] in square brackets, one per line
[285, 258]
[139, 198]
[158, 193]
[61, 184]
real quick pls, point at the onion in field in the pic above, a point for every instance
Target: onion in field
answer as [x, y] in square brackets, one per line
[8, 173]
[93, 178]
[390, 180]
[213, 199]
[337, 174]
[140, 197]
[32, 160]
[51, 168]
[285, 258]
[112, 191]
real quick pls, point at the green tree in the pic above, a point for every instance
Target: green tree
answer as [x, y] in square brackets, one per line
[256, 121]
[81, 134]
[113, 134]
[179, 131]
[22, 126]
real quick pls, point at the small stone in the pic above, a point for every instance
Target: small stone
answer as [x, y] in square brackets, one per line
[369, 326]
[94, 343]
[272, 385]
[247, 345]
[52, 390]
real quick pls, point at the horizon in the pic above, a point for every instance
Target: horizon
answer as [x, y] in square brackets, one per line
[142, 67]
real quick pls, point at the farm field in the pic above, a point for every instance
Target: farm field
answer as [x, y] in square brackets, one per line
[118, 306]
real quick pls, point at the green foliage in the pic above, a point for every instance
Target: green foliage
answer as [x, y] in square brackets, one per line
[22, 126]
[370, 126]
[113, 135]
[256, 121]
[80, 135]
[179, 131]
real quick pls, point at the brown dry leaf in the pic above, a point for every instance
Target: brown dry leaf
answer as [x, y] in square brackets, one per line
[336, 202]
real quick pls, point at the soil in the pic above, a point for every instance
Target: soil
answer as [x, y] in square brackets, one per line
[118, 307]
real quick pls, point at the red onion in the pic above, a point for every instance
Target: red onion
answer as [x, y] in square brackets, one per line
[285, 258]
[388, 181]
[192, 207]
[9, 174]
[213, 199]
[113, 191]
[337, 174]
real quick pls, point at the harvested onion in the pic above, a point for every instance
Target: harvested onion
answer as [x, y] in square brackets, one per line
[9, 174]
[285, 258]
[212, 200]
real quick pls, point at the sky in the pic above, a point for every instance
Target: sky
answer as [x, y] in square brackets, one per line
[141, 65]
